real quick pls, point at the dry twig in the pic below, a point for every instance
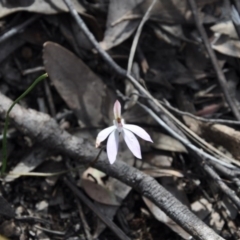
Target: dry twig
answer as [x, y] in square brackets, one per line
[222, 186]
[236, 20]
[18, 28]
[118, 232]
[84, 222]
[208, 120]
[45, 130]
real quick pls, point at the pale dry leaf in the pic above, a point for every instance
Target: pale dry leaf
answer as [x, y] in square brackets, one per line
[227, 46]
[158, 160]
[29, 162]
[114, 35]
[222, 135]
[204, 210]
[111, 192]
[162, 217]
[108, 195]
[170, 34]
[157, 172]
[226, 28]
[176, 189]
[37, 6]
[164, 142]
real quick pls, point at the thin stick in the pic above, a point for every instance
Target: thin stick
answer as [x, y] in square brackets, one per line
[50, 99]
[33, 70]
[222, 186]
[208, 120]
[114, 228]
[137, 35]
[236, 20]
[86, 227]
[184, 140]
[220, 76]
[221, 121]
[18, 28]
[92, 39]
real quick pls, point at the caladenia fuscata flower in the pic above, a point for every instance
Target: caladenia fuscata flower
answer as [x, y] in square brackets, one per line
[119, 127]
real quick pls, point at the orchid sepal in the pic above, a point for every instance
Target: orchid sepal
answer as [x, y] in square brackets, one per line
[128, 131]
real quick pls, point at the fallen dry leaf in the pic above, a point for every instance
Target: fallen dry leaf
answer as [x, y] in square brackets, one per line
[226, 28]
[176, 189]
[164, 142]
[223, 135]
[83, 91]
[37, 6]
[162, 217]
[114, 35]
[124, 17]
[29, 162]
[171, 34]
[116, 191]
[219, 134]
[227, 46]
[108, 195]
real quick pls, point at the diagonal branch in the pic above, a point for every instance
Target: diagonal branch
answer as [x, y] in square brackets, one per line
[45, 130]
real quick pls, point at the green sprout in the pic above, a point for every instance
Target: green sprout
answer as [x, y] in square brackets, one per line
[4, 143]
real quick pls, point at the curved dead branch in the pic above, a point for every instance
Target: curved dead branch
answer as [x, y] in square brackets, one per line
[46, 131]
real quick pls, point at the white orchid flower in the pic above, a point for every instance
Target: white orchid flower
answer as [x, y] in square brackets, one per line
[127, 131]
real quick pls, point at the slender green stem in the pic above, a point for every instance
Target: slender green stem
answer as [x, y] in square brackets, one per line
[4, 143]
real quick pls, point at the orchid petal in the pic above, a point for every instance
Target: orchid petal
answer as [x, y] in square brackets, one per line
[132, 143]
[117, 110]
[140, 132]
[112, 146]
[104, 134]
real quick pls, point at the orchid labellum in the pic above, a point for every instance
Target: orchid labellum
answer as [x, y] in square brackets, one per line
[127, 131]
